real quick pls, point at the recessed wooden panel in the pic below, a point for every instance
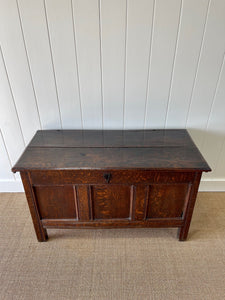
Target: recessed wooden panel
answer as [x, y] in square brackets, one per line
[166, 200]
[56, 202]
[111, 201]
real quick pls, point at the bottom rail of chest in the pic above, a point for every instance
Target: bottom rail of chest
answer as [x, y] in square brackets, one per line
[153, 203]
[157, 223]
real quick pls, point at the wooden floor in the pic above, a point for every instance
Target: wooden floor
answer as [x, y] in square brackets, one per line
[113, 264]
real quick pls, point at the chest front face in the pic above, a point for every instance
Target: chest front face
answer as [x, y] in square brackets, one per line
[111, 196]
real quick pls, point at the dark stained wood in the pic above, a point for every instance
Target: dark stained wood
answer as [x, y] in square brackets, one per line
[112, 138]
[41, 232]
[113, 178]
[160, 158]
[117, 177]
[55, 202]
[140, 202]
[84, 202]
[183, 232]
[111, 223]
[166, 200]
[111, 201]
[156, 150]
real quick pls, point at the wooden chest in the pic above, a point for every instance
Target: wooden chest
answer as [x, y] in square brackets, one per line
[111, 178]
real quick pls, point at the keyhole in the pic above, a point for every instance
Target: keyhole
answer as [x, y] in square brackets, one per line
[107, 177]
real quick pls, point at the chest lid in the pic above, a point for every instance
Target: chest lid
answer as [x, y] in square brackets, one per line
[111, 149]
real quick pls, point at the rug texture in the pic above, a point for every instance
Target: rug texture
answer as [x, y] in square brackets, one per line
[105, 264]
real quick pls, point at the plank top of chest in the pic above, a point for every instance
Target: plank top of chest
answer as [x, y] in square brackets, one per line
[170, 149]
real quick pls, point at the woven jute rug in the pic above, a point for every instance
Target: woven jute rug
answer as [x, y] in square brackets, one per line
[113, 264]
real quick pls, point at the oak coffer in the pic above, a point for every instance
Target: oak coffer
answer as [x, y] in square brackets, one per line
[111, 178]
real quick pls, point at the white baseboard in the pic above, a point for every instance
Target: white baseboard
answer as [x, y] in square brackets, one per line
[212, 185]
[11, 186]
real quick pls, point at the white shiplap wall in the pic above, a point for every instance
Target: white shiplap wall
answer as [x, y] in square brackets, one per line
[112, 64]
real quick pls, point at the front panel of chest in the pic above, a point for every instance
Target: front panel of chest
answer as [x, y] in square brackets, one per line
[96, 196]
